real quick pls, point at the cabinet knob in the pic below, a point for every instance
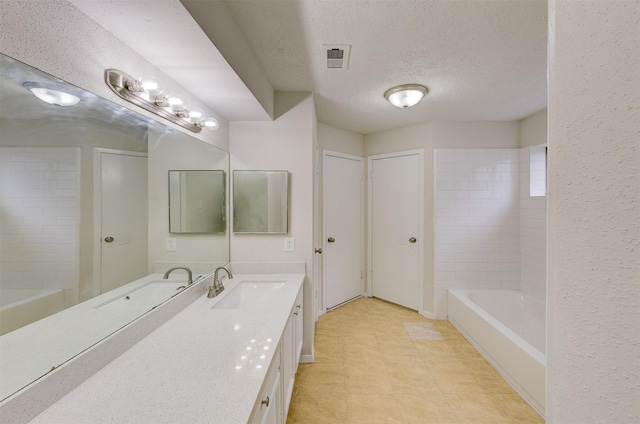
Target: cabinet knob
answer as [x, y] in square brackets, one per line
[266, 401]
[108, 239]
[412, 240]
[331, 240]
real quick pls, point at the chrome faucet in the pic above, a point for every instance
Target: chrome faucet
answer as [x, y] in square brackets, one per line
[166, 274]
[217, 286]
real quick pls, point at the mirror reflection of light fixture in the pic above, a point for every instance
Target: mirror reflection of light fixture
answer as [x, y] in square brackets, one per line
[51, 96]
[406, 95]
[147, 92]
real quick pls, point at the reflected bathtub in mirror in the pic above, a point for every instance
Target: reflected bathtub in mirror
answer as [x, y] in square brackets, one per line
[197, 201]
[260, 202]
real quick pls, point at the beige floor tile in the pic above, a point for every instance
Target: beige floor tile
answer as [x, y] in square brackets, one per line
[372, 408]
[431, 408]
[368, 370]
[518, 410]
[477, 408]
[312, 409]
[320, 373]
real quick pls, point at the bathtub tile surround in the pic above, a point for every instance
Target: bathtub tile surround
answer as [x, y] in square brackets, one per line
[488, 234]
[39, 192]
[533, 222]
[369, 373]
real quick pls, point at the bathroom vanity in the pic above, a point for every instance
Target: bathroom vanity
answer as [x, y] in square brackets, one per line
[230, 359]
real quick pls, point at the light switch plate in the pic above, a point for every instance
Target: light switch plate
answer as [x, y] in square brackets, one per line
[172, 244]
[289, 244]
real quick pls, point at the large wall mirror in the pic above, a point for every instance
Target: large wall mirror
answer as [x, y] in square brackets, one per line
[63, 175]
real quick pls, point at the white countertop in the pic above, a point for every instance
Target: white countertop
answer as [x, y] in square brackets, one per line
[202, 366]
[31, 351]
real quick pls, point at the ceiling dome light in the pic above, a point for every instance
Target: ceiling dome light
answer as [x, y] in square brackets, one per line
[53, 97]
[406, 95]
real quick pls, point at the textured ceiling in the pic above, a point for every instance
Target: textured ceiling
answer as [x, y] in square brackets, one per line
[482, 60]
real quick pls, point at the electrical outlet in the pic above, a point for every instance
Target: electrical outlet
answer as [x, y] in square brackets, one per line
[171, 244]
[289, 244]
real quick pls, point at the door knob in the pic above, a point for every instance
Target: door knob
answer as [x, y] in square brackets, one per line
[331, 239]
[412, 240]
[108, 239]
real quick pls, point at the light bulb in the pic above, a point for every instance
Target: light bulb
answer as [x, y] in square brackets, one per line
[196, 115]
[174, 102]
[211, 123]
[151, 85]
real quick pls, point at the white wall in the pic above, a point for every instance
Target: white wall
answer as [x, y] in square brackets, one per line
[284, 144]
[533, 129]
[593, 304]
[476, 134]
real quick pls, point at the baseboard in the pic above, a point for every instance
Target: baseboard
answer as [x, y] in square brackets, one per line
[307, 359]
[429, 315]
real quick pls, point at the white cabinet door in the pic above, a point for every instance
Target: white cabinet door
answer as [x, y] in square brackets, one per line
[288, 362]
[268, 408]
[298, 314]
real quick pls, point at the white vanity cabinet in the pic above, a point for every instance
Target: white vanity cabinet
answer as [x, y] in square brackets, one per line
[298, 316]
[285, 364]
[268, 408]
[291, 349]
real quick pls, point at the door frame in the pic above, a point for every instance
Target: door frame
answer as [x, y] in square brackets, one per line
[360, 159]
[421, 183]
[97, 211]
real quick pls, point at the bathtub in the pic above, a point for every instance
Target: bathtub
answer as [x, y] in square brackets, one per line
[508, 329]
[20, 307]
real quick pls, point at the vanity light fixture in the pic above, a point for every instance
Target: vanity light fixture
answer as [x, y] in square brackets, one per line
[147, 93]
[406, 95]
[51, 96]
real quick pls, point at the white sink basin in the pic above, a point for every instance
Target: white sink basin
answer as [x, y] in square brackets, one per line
[249, 294]
[146, 296]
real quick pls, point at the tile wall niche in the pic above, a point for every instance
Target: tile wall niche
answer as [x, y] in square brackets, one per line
[488, 232]
[39, 195]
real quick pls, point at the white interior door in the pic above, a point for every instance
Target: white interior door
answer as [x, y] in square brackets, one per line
[343, 227]
[396, 202]
[124, 222]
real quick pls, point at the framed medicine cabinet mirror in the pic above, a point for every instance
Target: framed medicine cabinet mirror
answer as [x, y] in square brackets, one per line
[260, 202]
[197, 201]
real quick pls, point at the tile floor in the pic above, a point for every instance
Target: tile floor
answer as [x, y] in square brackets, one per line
[368, 370]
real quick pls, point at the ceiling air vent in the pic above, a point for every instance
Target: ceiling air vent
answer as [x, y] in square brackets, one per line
[337, 55]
